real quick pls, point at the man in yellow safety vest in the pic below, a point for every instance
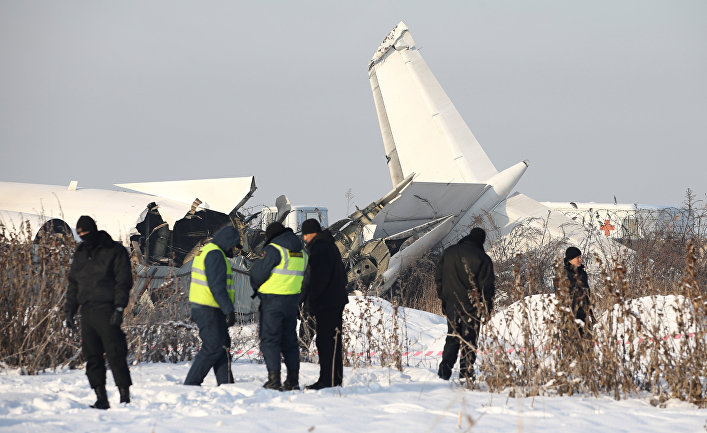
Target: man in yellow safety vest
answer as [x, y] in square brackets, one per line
[211, 295]
[277, 280]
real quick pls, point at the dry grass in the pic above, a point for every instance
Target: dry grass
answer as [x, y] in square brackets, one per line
[33, 278]
[631, 350]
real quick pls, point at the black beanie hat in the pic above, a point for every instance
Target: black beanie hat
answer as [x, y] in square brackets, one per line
[571, 253]
[311, 226]
[87, 224]
[273, 230]
[478, 235]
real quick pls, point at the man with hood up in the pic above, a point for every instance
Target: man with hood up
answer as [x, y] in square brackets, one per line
[466, 286]
[100, 280]
[324, 292]
[277, 281]
[211, 294]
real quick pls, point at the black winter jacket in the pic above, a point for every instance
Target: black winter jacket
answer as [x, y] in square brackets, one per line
[579, 291]
[99, 275]
[324, 286]
[459, 266]
[260, 271]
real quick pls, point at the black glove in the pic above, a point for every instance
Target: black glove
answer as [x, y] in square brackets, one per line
[230, 319]
[116, 319]
[69, 321]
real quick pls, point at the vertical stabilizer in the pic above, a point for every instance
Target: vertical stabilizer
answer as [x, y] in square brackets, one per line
[422, 130]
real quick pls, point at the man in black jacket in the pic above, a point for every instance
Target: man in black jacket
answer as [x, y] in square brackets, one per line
[211, 294]
[465, 283]
[100, 280]
[324, 292]
[277, 281]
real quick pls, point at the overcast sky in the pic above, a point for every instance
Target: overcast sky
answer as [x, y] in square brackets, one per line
[605, 98]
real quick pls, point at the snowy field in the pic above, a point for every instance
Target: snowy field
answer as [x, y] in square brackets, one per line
[373, 399]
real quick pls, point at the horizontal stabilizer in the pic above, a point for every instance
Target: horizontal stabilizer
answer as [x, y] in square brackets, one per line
[425, 201]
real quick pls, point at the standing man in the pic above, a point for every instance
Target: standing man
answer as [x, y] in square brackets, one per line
[277, 280]
[324, 291]
[465, 283]
[100, 279]
[578, 285]
[211, 295]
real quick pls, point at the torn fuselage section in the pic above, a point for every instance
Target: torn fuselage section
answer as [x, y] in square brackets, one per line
[155, 244]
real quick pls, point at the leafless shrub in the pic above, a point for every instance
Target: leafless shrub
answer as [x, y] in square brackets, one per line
[415, 288]
[33, 277]
[157, 324]
[651, 309]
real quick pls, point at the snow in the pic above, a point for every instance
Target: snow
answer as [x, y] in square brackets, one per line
[373, 399]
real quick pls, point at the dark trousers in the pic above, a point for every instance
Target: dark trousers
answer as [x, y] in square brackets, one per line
[215, 347]
[99, 337]
[462, 330]
[278, 330]
[331, 362]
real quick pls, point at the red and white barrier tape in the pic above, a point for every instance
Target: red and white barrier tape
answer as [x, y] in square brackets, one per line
[437, 353]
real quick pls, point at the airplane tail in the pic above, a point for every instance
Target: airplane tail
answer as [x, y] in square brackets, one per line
[422, 131]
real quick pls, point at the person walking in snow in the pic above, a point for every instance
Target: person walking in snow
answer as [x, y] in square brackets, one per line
[211, 295]
[577, 283]
[466, 286]
[100, 279]
[277, 281]
[324, 293]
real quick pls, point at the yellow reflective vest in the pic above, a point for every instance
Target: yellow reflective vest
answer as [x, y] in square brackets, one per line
[286, 278]
[199, 292]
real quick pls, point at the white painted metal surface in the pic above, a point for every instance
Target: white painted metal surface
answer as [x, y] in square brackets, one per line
[424, 134]
[216, 194]
[418, 121]
[114, 211]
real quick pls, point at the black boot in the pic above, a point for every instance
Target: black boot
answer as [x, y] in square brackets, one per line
[273, 381]
[317, 386]
[292, 381]
[124, 394]
[101, 398]
[445, 371]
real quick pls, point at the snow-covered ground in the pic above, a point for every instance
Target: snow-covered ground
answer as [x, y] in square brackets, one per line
[372, 398]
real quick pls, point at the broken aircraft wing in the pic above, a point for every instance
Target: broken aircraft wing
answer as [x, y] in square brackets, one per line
[114, 211]
[118, 212]
[216, 194]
